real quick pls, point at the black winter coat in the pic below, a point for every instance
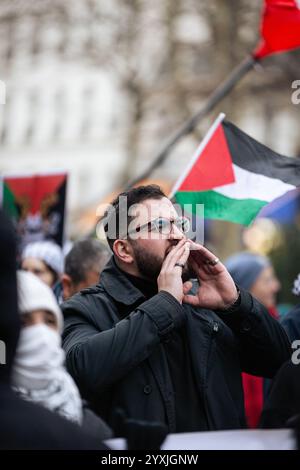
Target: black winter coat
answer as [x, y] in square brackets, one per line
[114, 341]
[283, 403]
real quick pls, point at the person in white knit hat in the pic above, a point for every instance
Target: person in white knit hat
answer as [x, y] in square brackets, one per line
[38, 372]
[45, 260]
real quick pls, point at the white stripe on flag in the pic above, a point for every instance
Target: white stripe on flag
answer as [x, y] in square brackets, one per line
[250, 185]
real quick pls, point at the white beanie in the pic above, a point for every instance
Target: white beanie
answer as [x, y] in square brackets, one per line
[34, 294]
[47, 251]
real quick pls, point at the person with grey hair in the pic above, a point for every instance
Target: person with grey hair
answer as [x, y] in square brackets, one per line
[83, 265]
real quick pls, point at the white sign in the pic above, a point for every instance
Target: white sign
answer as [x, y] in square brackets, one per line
[251, 439]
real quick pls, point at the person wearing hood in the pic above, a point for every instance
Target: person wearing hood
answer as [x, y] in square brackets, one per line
[25, 425]
[255, 273]
[38, 371]
[39, 374]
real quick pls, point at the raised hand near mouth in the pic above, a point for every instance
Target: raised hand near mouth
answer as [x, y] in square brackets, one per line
[217, 290]
[170, 279]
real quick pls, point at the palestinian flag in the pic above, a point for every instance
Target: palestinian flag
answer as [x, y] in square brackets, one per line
[36, 204]
[234, 176]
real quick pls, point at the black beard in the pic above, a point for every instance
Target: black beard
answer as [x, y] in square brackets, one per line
[149, 265]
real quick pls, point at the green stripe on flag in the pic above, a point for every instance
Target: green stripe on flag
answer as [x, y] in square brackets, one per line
[9, 204]
[217, 206]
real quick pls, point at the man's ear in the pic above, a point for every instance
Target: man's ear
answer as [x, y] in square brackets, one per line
[67, 286]
[123, 251]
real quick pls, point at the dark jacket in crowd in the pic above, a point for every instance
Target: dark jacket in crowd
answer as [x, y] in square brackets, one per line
[282, 408]
[116, 343]
[24, 425]
[291, 323]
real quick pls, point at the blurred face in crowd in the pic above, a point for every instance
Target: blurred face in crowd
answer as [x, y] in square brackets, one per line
[266, 287]
[40, 269]
[70, 288]
[39, 317]
[143, 253]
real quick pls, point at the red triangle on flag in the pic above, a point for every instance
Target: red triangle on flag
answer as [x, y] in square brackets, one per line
[213, 166]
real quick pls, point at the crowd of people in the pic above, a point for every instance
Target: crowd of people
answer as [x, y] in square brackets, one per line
[140, 337]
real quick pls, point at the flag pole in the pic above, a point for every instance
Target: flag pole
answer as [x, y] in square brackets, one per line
[197, 153]
[221, 91]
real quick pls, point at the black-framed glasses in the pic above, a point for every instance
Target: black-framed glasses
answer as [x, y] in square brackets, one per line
[163, 226]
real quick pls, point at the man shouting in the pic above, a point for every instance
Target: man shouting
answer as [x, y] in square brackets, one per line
[150, 342]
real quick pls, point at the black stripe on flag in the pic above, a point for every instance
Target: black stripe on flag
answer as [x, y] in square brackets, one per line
[253, 156]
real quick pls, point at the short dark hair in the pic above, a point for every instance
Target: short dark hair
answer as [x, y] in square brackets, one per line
[134, 196]
[83, 257]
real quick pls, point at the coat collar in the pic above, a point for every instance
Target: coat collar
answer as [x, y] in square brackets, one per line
[118, 286]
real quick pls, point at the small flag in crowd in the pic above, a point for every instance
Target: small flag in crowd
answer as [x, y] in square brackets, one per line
[36, 203]
[234, 176]
[280, 28]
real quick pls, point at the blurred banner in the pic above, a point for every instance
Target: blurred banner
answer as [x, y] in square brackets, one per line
[36, 203]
